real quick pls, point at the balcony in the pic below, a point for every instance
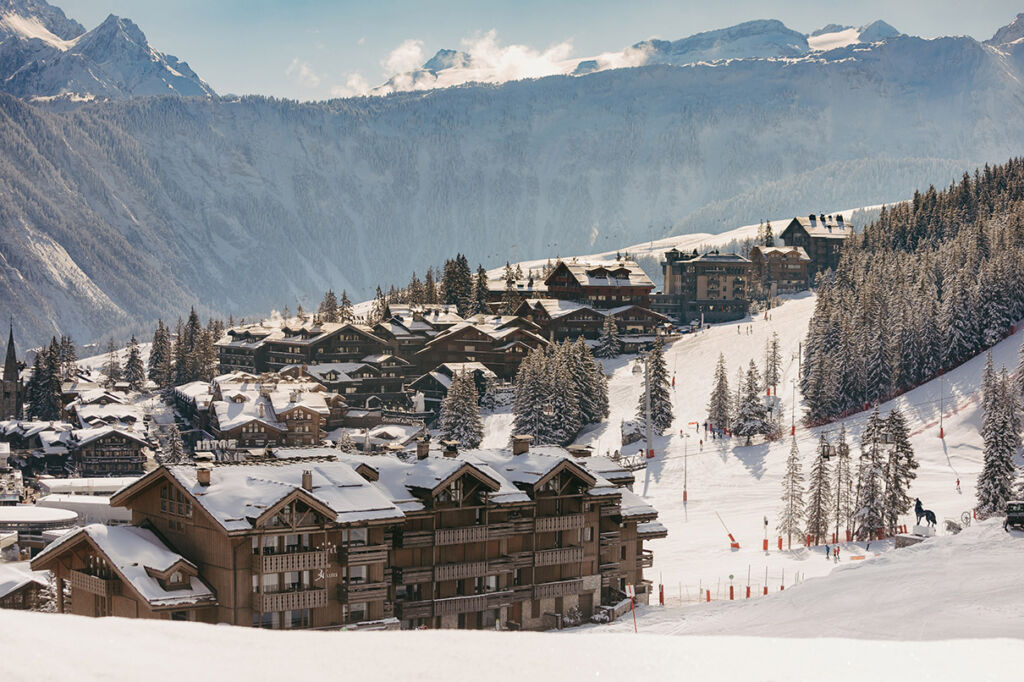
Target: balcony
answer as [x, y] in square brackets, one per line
[608, 566]
[460, 536]
[103, 587]
[501, 530]
[645, 559]
[611, 509]
[415, 538]
[312, 598]
[609, 537]
[293, 561]
[504, 564]
[359, 592]
[522, 559]
[496, 600]
[414, 609]
[411, 576]
[557, 589]
[453, 605]
[564, 555]
[362, 555]
[470, 569]
[547, 524]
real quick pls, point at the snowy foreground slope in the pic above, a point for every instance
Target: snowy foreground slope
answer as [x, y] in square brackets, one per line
[153, 650]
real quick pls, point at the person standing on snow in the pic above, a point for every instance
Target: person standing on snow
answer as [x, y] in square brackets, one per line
[828, 552]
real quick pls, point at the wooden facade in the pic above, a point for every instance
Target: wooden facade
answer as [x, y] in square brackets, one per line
[107, 451]
[822, 237]
[600, 285]
[778, 269]
[712, 286]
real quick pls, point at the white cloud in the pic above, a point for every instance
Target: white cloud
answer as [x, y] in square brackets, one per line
[361, 41]
[302, 73]
[485, 60]
[355, 86]
[405, 57]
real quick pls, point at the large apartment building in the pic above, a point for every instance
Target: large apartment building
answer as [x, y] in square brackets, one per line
[515, 538]
[711, 286]
[822, 237]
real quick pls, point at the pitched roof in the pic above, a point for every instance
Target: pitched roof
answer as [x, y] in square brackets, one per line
[834, 227]
[619, 273]
[784, 250]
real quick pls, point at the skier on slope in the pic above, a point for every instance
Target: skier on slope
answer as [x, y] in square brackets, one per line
[828, 552]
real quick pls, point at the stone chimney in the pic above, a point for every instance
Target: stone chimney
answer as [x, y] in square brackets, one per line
[203, 474]
[307, 480]
[579, 450]
[521, 444]
[451, 448]
[422, 447]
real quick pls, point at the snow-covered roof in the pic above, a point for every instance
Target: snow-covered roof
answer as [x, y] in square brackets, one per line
[16, 574]
[28, 513]
[108, 414]
[85, 486]
[834, 227]
[131, 550]
[239, 494]
[784, 250]
[619, 273]
[83, 436]
[634, 505]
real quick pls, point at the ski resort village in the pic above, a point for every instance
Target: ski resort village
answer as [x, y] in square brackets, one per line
[520, 363]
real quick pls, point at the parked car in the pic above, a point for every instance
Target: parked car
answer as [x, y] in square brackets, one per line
[1014, 515]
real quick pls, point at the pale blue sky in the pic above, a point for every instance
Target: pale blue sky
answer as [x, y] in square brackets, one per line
[309, 49]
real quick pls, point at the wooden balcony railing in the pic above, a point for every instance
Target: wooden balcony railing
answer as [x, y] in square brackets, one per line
[415, 538]
[504, 564]
[459, 536]
[564, 555]
[103, 587]
[645, 559]
[501, 530]
[546, 524]
[406, 610]
[411, 576]
[557, 589]
[469, 569]
[611, 509]
[269, 602]
[293, 561]
[609, 537]
[357, 592]
[363, 554]
[452, 605]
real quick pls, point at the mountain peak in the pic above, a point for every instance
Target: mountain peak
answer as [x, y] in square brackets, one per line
[876, 31]
[758, 38]
[49, 17]
[1010, 33]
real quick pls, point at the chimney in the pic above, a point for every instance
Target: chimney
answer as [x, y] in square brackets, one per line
[812, 218]
[839, 218]
[422, 447]
[451, 448]
[259, 410]
[579, 451]
[307, 480]
[822, 218]
[521, 444]
[203, 475]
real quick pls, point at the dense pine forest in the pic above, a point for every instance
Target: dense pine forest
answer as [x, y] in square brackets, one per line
[928, 285]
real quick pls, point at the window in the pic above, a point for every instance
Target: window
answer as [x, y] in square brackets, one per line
[179, 615]
[588, 534]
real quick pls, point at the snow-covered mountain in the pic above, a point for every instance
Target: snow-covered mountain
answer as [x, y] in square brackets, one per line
[123, 210]
[43, 54]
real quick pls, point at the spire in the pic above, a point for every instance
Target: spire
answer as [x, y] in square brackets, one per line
[11, 363]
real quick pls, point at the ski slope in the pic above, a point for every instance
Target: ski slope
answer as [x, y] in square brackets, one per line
[742, 484]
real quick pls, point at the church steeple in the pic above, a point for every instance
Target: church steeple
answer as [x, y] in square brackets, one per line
[11, 363]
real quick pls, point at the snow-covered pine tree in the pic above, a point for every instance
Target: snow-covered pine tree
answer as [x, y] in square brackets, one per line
[599, 384]
[955, 320]
[608, 344]
[134, 370]
[328, 310]
[530, 396]
[460, 412]
[842, 485]
[175, 453]
[772, 363]
[661, 395]
[720, 403]
[345, 312]
[112, 365]
[561, 410]
[791, 513]
[817, 515]
[1020, 372]
[870, 514]
[378, 309]
[480, 293]
[68, 358]
[900, 469]
[751, 420]
[576, 355]
[1000, 417]
[511, 300]
[161, 357]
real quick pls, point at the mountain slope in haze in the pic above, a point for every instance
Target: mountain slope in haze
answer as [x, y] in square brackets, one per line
[44, 54]
[152, 204]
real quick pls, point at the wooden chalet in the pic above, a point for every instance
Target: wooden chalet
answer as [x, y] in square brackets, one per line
[107, 451]
[373, 382]
[600, 284]
[500, 349]
[822, 238]
[779, 269]
[560, 319]
[434, 384]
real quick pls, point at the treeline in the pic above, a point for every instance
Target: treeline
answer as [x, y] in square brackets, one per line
[927, 286]
[749, 408]
[188, 355]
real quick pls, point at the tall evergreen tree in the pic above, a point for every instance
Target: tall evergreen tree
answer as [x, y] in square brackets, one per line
[175, 452]
[720, 403]
[817, 513]
[608, 344]
[345, 312]
[871, 509]
[790, 515]
[772, 363]
[430, 287]
[134, 370]
[68, 358]
[531, 393]
[480, 293]
[562, 404]
[328, 310]
[379, 308]
[842, 485]
[661, 396]
[900, 469]
[1000, 432]
[511, 300]
[112, 365]
[751, 419]
[457, 284]
[460, 412]
[161, 362]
